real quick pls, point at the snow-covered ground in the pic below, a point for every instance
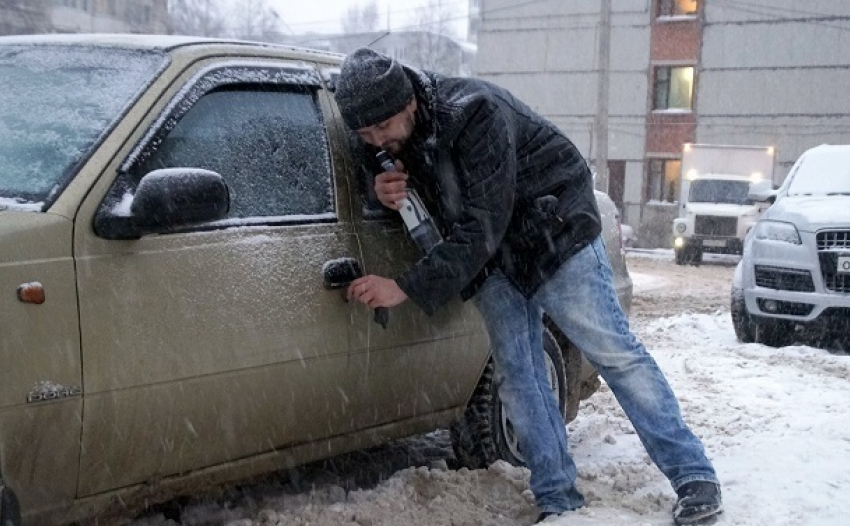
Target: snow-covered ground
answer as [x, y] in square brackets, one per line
[776, 422]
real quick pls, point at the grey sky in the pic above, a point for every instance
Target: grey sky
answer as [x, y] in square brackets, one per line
[325, 15]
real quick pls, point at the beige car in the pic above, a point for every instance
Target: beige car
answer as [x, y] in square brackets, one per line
[177, 220]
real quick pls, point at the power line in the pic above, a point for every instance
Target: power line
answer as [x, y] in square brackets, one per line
[391, 12]
[425, 24]
[742, 7]
[776, 8]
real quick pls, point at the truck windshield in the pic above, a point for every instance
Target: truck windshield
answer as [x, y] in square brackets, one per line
[822, 173]
[719, 191]
[56, 102]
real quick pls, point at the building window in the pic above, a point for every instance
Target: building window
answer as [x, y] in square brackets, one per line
[674, 88]
[663, 180]
[677, 7]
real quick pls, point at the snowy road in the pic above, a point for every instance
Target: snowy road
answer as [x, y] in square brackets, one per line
[776, 423]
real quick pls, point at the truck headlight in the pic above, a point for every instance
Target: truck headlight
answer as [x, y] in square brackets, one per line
[777, 231]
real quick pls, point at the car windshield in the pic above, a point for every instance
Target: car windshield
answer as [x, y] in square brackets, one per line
[56, 102]
[822, 173]
[719, 191]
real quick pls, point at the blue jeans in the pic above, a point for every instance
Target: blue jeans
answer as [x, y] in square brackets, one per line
[581, 300]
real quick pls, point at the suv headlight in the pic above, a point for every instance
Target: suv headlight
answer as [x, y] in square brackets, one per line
[777, 231]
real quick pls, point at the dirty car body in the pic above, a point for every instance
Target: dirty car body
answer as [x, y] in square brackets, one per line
[174, 213]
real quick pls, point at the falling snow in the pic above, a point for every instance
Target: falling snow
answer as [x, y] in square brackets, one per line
[773, 420]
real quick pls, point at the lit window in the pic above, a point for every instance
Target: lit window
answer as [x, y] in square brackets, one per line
[663, 180]
[674, 87]
[677, 7]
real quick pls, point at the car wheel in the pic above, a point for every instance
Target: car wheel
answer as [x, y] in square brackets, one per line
[484, 434]
[773, 333]
[741, 320]
[696, 257]
[688, 256]
[10, 510]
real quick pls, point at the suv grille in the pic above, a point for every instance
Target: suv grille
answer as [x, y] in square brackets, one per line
[834, 240]
[716, 226]
[778, 278]
[831, 244]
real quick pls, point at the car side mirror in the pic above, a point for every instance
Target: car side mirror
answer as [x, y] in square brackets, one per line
[166, 200]
[762, 191]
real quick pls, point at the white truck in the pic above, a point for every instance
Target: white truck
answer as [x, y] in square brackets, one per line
[715, 212]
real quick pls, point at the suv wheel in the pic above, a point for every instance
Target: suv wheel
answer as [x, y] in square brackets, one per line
[688, 256]
[773, 333]
[741, 320]
[484, 433]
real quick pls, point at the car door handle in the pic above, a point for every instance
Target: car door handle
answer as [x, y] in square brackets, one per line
[339, 273]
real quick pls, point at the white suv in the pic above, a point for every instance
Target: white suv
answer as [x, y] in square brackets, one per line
[795, 271]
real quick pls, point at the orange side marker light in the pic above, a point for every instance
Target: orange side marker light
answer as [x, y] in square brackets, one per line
[31, 293]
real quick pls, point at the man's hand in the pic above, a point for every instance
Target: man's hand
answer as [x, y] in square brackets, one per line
[391, 186]
[376, 291]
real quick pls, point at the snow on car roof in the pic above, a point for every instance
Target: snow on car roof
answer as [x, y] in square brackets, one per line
[830, 148]
[139, 41]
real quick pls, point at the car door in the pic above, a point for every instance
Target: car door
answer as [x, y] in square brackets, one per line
[419, 366]
[218, 342]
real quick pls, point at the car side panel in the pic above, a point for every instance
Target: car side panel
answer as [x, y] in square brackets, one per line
[40, 378]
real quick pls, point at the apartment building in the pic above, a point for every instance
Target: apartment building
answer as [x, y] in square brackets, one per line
[738, 72]
[83, 16]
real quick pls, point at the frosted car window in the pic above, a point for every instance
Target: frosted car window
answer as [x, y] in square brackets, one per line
[822, 173]
[719, 191]
[56, 104]
[270, 147]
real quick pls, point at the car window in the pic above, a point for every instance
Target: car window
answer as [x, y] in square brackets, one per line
[260, 128]
[56, 102]
[719, 191]
[269, 145]
[822, 173]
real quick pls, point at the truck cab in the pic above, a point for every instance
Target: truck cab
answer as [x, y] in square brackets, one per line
[715, 211]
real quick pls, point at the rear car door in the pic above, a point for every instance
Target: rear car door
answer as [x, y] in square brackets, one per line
[218, 342]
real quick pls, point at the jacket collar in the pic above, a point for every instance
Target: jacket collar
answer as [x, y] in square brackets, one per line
[425, 90]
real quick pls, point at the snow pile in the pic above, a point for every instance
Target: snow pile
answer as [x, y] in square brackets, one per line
[775, 422]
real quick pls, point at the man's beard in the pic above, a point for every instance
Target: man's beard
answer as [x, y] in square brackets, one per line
[397, 146]
[394, 147]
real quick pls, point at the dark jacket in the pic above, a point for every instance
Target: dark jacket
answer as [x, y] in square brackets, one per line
[508, 189]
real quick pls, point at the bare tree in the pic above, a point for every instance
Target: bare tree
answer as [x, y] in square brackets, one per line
[255, 20]
[361, 19]
[434, 46]
[18, 17]
[196, 17]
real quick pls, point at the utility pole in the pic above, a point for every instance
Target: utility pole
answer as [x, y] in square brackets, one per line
[602, 97]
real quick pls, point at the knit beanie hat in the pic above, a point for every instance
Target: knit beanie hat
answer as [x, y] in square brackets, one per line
[371, 88]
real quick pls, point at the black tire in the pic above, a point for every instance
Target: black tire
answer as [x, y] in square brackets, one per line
[745, 329]
[10, 510]
[773, 333]
[696, 257]
[483, 434]
[688, 256]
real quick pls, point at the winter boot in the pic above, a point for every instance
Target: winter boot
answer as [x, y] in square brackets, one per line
[698, 503]
[545, 515]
